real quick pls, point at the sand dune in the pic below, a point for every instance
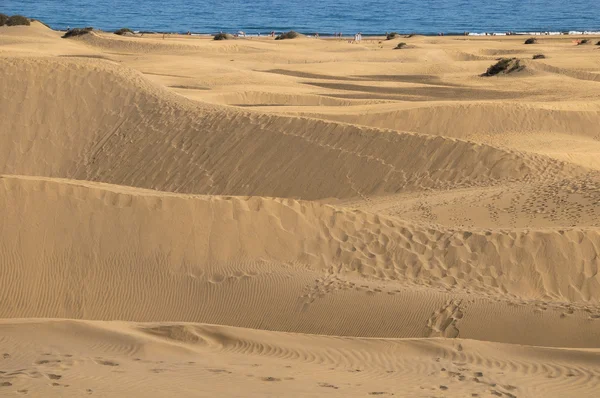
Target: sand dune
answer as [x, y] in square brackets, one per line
[184, 359]
[300, 218]
[568, 132]
[314, 259]
[133, 133]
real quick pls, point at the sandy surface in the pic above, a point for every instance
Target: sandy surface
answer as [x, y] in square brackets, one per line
[191, 218]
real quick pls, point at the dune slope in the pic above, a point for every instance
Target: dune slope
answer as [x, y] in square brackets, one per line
[194, 360]
[128, 131]
[65, 243]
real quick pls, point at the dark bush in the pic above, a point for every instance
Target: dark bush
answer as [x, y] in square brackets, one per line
[531, 40]
[288, 35]
[17, 20]
[400, 45]
[223, 36]
[584, 41]
[3, 19]
[77, 32]
[391, 35]
[122, 31]
[539, 56]
[505, 66]
[598, 44]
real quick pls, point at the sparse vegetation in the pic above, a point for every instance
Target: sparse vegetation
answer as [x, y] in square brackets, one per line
[531, 40]
[391, 35]
[400, 45]
[504, 66]
[3, 19]
[288, 35]
[223, 36]
[584, 41]
[598, 44]
[16, 20]
[77, 32]
[409, 36]
[539, 56]
[123, 31]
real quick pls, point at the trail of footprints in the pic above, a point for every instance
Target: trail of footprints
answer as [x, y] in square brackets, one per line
[444, 322]
[456, 372]
[49, 367]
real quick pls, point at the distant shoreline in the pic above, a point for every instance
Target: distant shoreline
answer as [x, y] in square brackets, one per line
[267, 32]
[345, 35]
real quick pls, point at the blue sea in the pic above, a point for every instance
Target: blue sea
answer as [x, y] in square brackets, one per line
[309, 16]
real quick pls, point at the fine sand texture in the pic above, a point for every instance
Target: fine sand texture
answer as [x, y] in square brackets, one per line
[183, 217]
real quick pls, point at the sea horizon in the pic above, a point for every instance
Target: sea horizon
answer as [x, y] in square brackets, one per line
[370, 17]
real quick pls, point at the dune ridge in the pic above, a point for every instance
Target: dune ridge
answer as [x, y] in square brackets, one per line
[120, 142]
[124, 238]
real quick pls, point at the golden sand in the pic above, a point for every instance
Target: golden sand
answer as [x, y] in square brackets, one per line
[184, 217]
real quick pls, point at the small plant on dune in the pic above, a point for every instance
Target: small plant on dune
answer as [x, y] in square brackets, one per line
[539, 56]
[122, 31]
[400, 45]
[16, 20]
[3, 19]
[77, 32]
[391, 35]
[531, 40]
[223, 36]
[505, 66]
[598, 44]
[409, 36]
[584, 41]
[288, 35]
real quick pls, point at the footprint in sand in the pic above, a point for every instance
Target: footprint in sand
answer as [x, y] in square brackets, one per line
[47, 361]
[327, 385]
[219, 371]
[270, 379]
[158, 370]
[106, 363]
